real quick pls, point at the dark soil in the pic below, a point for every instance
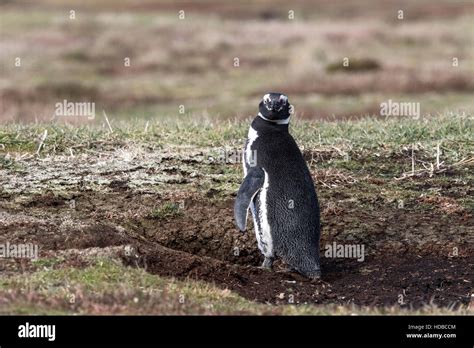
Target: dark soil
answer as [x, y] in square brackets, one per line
[379, 281]
[408, 261]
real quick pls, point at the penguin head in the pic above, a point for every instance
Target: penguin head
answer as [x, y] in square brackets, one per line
[274, 107]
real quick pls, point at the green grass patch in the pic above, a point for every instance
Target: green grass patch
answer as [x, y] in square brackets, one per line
[166, 211]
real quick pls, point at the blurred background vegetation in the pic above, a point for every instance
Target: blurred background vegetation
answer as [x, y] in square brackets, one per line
[295, 47]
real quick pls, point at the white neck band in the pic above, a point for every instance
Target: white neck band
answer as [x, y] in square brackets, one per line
[284, 121]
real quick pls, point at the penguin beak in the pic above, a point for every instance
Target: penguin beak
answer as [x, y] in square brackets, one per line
[275, 105]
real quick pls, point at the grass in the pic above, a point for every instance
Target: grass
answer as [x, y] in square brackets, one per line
[354, 65]
[166, 71]
[167, 210]
[368, 133]
[369, 145]
[367, 148]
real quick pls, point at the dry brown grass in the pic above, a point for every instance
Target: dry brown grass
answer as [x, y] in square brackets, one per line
[190, 62]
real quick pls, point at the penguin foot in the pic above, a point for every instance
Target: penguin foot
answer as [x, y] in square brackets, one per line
[288, 270]
[314, 276]
[267, 263]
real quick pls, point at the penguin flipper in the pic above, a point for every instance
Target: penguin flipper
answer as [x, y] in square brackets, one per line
[252, 183]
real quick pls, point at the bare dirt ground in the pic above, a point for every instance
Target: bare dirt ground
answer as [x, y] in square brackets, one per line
[414, 256]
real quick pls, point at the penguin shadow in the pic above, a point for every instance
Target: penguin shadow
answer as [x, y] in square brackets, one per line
[336, 269]
[332, 269]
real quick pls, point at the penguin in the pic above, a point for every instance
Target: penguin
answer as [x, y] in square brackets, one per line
[279, 192]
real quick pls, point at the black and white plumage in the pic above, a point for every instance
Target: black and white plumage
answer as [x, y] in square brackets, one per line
[279, 191]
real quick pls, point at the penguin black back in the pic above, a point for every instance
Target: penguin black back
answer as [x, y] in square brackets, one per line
[282, 194]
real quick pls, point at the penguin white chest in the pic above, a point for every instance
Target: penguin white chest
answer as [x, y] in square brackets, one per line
[263, 232]
[260, 212]
[249, 155]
